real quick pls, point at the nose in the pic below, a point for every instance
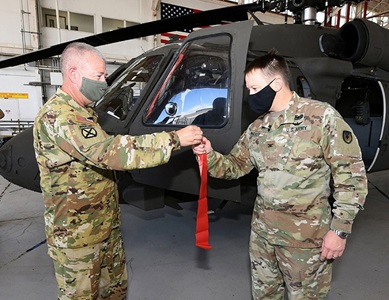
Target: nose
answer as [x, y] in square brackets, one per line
[18, 164]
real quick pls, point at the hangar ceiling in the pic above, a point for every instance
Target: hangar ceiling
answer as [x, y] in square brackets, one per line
[378, 9]
[380, 6]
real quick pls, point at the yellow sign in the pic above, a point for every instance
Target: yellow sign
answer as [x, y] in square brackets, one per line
[14, 95]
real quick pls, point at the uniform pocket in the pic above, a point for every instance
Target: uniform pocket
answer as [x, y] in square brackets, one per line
[80, 258]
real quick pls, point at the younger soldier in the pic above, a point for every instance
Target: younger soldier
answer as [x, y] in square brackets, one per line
[296, 144]
[76, 158]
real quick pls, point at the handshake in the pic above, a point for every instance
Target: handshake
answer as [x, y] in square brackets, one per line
[193, 136]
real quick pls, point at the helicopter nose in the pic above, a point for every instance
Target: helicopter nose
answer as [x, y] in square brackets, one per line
[18, 163]
[5, 159]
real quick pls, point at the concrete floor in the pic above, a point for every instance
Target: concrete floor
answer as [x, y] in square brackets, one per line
[163, 262]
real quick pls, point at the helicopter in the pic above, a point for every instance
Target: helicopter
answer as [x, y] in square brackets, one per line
[171, 86]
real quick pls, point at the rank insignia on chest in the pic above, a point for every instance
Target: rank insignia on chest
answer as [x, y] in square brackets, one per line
[298, 117]
[88, 132]
[347, 136]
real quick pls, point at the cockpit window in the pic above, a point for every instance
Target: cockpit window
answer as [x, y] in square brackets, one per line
[124, 93]
[196, 88]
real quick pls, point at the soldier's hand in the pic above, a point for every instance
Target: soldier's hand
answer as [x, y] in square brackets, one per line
[332, 247]
[190, 135]
[204, 147]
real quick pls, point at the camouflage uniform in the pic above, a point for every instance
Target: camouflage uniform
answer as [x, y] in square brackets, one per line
[82, 218]
[295, 157]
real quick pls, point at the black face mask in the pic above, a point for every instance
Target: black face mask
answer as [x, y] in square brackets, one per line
[261, 101]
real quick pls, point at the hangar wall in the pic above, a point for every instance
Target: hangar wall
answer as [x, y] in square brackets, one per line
[29, 25]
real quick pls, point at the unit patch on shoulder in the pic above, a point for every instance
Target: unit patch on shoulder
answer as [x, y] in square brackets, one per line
[80, 119]
[347, 136]
[89, 132]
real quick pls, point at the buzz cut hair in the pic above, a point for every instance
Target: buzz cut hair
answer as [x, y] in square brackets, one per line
[75, 52]
[271, 64]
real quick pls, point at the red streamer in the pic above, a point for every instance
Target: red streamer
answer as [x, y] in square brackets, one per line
[202, 226]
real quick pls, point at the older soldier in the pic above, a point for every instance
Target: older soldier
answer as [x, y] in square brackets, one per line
[76, 158]
[296, 144]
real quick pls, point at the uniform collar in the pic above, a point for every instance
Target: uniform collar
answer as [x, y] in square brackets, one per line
[289, 116]
[71, 102]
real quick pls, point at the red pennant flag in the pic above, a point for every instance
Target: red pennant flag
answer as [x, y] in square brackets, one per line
[202, 227]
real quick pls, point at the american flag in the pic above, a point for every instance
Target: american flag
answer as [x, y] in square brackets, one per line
[171, 11]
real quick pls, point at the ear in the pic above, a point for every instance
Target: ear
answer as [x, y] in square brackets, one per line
[277, 84]
[72, 74]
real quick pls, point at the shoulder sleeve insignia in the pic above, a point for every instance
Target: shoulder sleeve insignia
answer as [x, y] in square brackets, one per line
[347, 136]
[83, 120]
[88, 133]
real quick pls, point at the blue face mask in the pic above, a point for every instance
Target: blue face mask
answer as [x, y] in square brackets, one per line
[93, 89]
[261, 101]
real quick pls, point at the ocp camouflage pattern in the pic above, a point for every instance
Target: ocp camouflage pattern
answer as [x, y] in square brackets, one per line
[295, 157]
[304, 275]
[76, 158]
